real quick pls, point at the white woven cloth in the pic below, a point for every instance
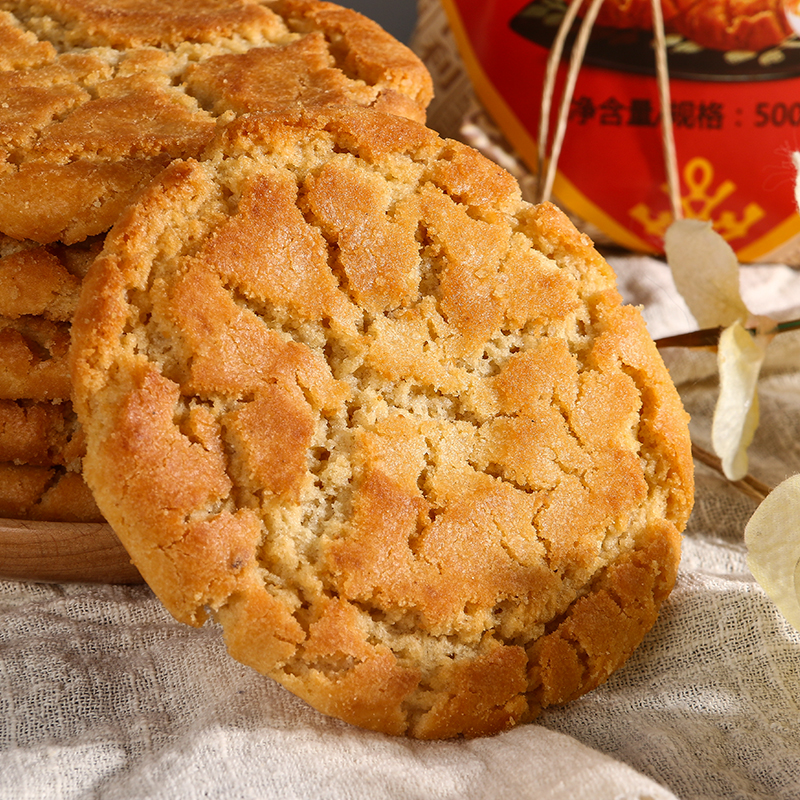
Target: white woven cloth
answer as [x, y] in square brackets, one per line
[103, 695]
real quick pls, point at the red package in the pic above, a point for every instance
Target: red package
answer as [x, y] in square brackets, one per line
[736, 113]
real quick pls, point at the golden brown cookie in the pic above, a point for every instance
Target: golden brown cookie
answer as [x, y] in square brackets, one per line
[42, 281]
[40, 434]
[39, 289]
[34, 282]
[41, 451]
[389, 424]
[45, 493]
[96, 96]
[41, 442]
[33, 359]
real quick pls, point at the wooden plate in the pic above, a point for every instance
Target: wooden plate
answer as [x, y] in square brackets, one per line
[63, 552]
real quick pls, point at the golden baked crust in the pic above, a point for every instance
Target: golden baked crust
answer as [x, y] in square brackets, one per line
[40, 434]
[96, 96]
[45, 493]
[41, 451]
[34, 282]
[41, 442]
[387, 422]
[33, 359]
[39, 289]
[42, 281]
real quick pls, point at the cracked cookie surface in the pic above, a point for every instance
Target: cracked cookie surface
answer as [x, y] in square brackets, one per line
[387, 423]
[96, 97]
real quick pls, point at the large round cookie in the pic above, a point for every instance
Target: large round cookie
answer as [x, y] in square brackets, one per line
[96, 96]
[388, 423]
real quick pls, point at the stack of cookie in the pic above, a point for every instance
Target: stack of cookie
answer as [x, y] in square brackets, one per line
[340, 387]
[96, 98]
[41, 442]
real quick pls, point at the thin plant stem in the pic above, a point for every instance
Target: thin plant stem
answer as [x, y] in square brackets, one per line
[709, 337]
[748, 485]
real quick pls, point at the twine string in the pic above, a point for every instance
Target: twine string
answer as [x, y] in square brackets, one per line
[665, 102]
[548, 166]
[575, 63]
[548, 91]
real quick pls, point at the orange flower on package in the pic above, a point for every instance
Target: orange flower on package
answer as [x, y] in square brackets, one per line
[630, 13]
[716, 24]
[732, 24]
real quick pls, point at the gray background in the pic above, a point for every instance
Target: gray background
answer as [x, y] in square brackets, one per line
[397, 16]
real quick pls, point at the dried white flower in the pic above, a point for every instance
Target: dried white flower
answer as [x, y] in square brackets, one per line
[706, 273]
[772, 537]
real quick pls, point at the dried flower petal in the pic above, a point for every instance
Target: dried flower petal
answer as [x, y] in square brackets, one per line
[739, 359]
[772, 537]
[706, 272]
